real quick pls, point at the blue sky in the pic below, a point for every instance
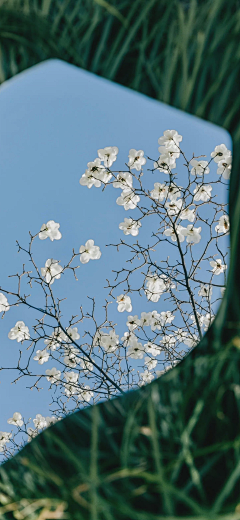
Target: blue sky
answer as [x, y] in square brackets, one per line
[54, 117]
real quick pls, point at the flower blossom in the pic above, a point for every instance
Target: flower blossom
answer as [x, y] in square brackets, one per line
[20, 332]
[84, 393]
[192, 234]
[160, 191]
[203, 193]
[133, 322]
[51, 271]
[225, 167]
[146, 377]
[108, 155]
[170, 140]
[165, 163]
[135, 349]
[39, 422]
[123, 180]
[152, 348]
[205, 291]
[220, 152]
[42, 356]
[16, 419]
[128, 199]
[188, 214]
[55, 339]
[217, 266]
[169, 232]
[124, 303]
[53, 375]
[174, 192]
[4, 305]
[91, 176]
[50, 230]
[130, 227]
[174, 206]
[151, 363]
[108, 341]
[223, 225]
[199, 167]
[136, 159]
[155, 287]
[89, 252]
[4, 438]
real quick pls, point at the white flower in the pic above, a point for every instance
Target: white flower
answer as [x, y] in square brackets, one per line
[89, 252]
[50, 230]
[160, 191]
[39, 422]
[199, 167]
[124, 303]
[71, 360]
[51, 271]
[223, 225]
[223, 289]
[31, 433]
[108, 155]
[104, 176]
[130, 227]
[165, 163]
[4, 305]
[220, 152]
[146, 318]
[169, 340]
[203, 193]
[155, 321]
[206, 321]
[86, 365]
[173, 192]
[51, 420]
[166, 317]
[192, 234]
[152, 348]
[225, 167]
[217, 266]
[57, 337]
[84, 394]
[4, 438]
[205, 291]
[170, 140]
[133, 322]
[20, 332]
[53, 375]
[71, 377]
[135, 350]
[186, 339]
[73, 333]
[16, 419]
[151, 363]
[188, 214]
[155, 287]
[146, 377]
[136, 159]
[124, 180]
[174, 206]
[109, 341]
[89, 180]
[42, 356]
[169, 232]
[173, 155]
[128, 199]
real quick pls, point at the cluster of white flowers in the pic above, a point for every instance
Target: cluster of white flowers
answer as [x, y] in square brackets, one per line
[173, 204]
[223, 157]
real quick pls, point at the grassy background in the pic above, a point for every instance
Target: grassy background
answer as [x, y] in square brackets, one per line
[171, 449]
